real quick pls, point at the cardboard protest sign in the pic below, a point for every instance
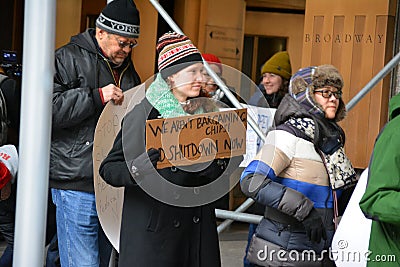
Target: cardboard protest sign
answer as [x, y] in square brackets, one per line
[109, 200]
[199, 138]
[264, 118]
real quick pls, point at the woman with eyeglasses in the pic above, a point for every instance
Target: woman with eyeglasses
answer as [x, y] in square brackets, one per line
[302, 174]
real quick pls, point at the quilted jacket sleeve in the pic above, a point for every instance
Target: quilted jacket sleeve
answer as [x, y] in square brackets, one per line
[259, 179]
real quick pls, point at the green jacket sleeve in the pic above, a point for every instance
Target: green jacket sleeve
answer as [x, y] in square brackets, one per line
[382, 196]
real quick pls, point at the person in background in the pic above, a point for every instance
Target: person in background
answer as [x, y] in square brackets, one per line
[211, 86]
[276, 73]
[9, 116]
[380, 201]
[94, 68]
[154, 233]
[8, 174]
[10, 88]
[300, 172]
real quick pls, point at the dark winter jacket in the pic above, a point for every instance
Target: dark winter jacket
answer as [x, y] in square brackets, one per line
[154, 233]
[80, 70]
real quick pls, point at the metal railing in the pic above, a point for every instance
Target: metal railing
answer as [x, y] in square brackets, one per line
[374, 81]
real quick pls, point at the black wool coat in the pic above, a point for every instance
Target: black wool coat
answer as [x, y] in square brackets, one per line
[154, 233]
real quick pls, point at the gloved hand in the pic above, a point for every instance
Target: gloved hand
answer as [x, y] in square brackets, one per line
[315, 229]
[145, 163]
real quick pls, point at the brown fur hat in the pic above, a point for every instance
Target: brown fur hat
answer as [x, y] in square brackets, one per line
[312, 78]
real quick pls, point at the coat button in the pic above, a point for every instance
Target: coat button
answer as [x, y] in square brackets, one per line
[87, 143]
[177, 223]
[196, 219]
[221, 163]
[174, 169]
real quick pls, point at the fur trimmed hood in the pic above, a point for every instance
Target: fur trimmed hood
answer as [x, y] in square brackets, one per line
[305, 81]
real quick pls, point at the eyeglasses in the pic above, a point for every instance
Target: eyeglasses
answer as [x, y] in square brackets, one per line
[125, 44]
[328, 93]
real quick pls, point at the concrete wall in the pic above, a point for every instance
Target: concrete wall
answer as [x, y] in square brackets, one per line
[68, 20]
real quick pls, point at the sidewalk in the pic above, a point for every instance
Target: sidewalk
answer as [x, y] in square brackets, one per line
[232, 244]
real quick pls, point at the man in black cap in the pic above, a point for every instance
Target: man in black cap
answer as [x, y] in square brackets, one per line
[95, 67]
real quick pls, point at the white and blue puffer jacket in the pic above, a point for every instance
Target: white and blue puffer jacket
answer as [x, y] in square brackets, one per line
[288, 176]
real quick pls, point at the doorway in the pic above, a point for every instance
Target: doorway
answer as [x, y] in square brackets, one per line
[257, 50]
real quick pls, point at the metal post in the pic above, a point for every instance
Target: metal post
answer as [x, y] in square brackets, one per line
[34, 146]
[113, 250]
[378, 77]
[245, 205]
[233, 100]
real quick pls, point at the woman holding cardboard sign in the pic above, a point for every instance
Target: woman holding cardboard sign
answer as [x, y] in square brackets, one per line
[155, 232]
